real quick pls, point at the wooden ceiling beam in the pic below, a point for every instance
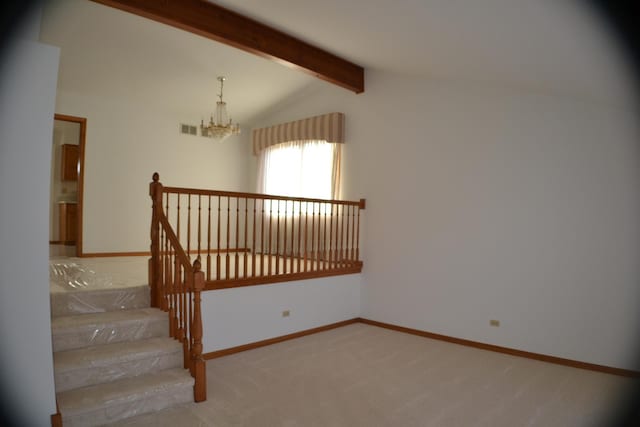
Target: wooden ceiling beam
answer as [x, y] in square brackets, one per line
[228, 27]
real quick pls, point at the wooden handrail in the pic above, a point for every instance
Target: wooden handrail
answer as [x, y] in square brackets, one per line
[176, 285]
[201, 192]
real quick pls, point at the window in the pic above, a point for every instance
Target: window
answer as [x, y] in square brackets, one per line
[300, 169]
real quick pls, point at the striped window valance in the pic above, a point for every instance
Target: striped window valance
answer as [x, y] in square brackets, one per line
[328, 127]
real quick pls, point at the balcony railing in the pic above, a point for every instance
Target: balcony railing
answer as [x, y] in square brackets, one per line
[247, 239]
[208, 239]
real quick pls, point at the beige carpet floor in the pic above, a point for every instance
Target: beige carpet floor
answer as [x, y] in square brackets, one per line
[361, 375]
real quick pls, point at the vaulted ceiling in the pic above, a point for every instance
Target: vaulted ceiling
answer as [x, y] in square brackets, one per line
[564, 46]
[550, 46]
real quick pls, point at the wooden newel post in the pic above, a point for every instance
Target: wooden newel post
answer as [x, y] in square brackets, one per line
[198, 366]
[155, 192]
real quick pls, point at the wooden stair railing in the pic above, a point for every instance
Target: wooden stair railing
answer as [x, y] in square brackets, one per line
[176, 285]
[248, 239]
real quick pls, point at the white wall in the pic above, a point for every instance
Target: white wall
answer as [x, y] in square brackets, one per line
[27, 96]
[488, 202]
[238, 316]
[133, 114]
[128, 139]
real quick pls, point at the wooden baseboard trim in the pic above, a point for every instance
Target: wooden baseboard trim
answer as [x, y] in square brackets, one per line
[56, 419]
[263, 343]
[63, 242]
[113, 254]
[425, 334]
[506, 350]
[147, 253]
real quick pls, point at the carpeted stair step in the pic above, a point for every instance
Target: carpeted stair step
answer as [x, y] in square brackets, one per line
[99, 300]
[110, 402]
[83, 330]
[110, 362]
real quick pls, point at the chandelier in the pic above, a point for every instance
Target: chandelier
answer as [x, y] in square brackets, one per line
[220, 126]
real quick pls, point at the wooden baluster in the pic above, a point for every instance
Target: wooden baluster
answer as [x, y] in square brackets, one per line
[353, 237]
[199, 220]
[334, 235]
[188, 224]
[246, 225]
[161, 283]
[253, 241]
[306, 234]
[262, 239]
[360, 207]
[284, 238]
[345, 236]
[174, 314]
[341, 239]
[293, 234]
[237, 265]
[155, 192]
[178, 217]
[198, 365]
[227, 263]
[209, 239]
[345, 242]
[179, 303]
[331, 207]
[354, 243]
[270, 235]
[183, 316]
[218, 247]
[319, 256]
[278, 239]
[324, 239]
[169, 245]
[318, 249]
[294, 239]
[166, 212]
[346, 248]
[190, 283]
[299, 249]
[313, 234]
[166, 272]
[170, 278]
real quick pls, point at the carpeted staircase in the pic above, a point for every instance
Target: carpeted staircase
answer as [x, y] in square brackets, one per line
[113, 357]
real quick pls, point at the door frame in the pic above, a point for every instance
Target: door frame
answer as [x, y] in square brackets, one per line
[82, 121]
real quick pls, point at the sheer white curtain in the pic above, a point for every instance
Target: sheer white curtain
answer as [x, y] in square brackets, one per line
[308, 169]
[300, 169]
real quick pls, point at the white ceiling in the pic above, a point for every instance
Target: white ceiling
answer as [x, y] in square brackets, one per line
[133, 56]
[536, 44]
[560, 45]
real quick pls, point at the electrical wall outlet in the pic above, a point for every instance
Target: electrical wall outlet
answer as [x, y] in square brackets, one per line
[286, 313]
[494, 322]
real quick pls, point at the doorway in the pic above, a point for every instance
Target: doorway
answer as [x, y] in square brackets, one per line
[67, 179]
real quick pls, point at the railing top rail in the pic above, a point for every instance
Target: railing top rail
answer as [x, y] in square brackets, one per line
[195, 191]
[180, 253]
